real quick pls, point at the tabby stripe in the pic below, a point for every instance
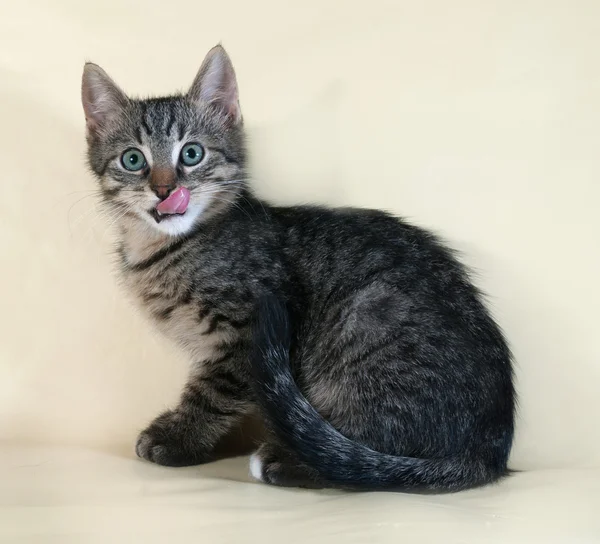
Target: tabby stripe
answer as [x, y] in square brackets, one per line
[110, 192]
[226, 384]
[210, 170]
[203, 312]
[214, 323]
[230, 293]
[106, 164]
[164, 314]
[386, 343]
[181, 131]
[218, 361]
[176, 259]
[196, 396]
[147, 297]
[220, 318]
[237, 345]
[138, 135]
[210, 407]
[228, 158]
[144, 122]
[239, 323]
[162, 253]
[121, 255]
[186, 298]
[157, 257]
[208, 290]
[171, 118]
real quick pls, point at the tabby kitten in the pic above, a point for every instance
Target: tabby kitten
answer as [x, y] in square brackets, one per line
[358, 337]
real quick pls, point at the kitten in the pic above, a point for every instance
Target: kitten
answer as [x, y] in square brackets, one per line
[358, 337]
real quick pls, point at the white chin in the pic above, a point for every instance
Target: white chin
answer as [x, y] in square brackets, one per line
[177, 224]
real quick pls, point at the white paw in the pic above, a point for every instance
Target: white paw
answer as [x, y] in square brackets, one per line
[256, 467]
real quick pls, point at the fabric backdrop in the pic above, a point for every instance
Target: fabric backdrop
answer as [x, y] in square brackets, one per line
[476, 119]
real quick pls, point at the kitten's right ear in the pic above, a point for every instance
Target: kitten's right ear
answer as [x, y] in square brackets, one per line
[101, 97]
[216, 84]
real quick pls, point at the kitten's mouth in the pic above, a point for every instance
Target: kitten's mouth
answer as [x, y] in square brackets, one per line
[175, 204]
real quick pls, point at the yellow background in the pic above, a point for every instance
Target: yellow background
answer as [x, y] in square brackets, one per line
[478, 119]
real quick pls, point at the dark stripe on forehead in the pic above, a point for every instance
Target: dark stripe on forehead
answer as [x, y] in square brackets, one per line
[171, 118]
[145, 121]
[181, 133]
[138, 135]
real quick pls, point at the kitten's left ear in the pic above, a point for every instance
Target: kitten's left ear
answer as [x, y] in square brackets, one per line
[216, 84]
[101, 97]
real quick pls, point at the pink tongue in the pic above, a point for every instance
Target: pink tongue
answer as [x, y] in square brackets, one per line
[176, 202]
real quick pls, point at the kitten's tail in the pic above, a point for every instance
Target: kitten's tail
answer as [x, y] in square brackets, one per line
[338, 461]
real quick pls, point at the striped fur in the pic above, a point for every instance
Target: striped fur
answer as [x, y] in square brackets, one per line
[358, 337]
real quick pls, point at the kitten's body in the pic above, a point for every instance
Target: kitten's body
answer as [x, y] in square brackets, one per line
[408, 380]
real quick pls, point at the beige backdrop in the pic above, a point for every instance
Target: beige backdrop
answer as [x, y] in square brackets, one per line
[477, 119]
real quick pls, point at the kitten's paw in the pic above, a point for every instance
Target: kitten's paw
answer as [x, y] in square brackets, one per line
[271, 466]
[264, 469]
[146, 448]
[167, 442]
[256, 467]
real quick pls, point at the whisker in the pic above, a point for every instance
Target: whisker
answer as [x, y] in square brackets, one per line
[233, 203]
[80, 219]
[111, 224]
[60, 200]
[75, 204]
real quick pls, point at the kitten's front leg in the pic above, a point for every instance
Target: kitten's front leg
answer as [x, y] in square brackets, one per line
[211, 404]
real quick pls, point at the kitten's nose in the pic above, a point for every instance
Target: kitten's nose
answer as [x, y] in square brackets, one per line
[162, 191]
[162, 182]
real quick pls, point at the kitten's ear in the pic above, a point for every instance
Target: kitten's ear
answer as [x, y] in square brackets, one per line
[216, 84]
[101, 97]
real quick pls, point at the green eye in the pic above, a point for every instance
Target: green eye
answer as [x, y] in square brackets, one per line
[133, 159]
[191, 154]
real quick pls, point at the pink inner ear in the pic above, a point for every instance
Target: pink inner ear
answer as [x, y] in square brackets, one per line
[100, 96]
[92, 116]
[216, 84]
[233, 110]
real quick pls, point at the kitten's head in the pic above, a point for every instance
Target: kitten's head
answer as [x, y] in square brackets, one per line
[167, 161]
